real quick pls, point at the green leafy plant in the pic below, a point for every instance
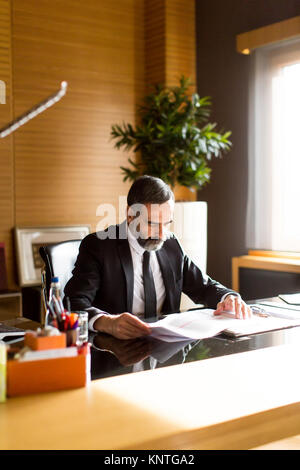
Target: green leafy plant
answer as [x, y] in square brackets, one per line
[173, 138]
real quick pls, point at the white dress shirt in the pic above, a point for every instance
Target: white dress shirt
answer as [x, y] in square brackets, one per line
[138, 306]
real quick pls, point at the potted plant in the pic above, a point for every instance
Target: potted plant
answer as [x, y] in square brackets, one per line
[175, 141]
[173, 138]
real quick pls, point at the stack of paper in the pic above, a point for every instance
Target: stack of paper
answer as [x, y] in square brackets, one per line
[200, 324]
[39, 355]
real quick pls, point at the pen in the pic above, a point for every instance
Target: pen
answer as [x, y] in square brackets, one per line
[60, 304]
[68, 304]
[259, 311]
[73, 320]
[49, 305]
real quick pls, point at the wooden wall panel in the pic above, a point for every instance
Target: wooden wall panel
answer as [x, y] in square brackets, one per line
[155, 42]
[170, 50]
[6, 154]
[65, 162]
[180, 40]
[170, 41]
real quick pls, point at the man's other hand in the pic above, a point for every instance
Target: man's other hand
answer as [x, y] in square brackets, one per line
[122, 326]
[234, 305]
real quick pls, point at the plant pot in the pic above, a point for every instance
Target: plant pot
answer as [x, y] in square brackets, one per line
[184, 194]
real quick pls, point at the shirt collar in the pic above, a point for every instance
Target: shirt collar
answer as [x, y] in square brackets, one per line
[134, 243]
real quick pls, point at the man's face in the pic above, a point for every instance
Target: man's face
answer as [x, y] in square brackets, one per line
[150, 223]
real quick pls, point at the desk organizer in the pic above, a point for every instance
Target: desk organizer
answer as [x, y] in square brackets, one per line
[40, 343]
[48, 375]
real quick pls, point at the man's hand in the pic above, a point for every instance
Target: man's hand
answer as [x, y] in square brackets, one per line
[128, 352]
[234, 305]
[122, 326]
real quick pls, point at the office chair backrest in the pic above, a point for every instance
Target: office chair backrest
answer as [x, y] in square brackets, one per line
[59, 261]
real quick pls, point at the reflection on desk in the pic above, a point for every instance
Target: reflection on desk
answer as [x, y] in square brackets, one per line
[111, 356]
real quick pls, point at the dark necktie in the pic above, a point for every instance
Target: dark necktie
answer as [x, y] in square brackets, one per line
[149, 288]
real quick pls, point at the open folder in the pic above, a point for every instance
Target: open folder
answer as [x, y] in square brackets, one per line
[200, 324]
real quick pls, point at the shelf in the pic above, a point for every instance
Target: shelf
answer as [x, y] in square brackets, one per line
[270, 34]
[262, 267]
[10, 304]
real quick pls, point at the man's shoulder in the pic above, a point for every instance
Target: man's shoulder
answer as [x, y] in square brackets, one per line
[111, 235]
[172, 243]
[171, 238]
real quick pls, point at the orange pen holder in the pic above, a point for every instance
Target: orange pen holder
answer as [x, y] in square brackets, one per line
[48, 375]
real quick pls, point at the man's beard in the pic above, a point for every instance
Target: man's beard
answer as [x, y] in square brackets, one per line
[150, 244]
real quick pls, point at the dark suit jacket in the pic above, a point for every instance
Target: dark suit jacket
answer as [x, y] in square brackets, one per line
[103, 276]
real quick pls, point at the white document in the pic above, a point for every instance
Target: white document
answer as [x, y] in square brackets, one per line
[293, 299]
[280, 311]
[196, 324]
[200, 324]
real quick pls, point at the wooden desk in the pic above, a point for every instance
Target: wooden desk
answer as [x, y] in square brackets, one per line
[278, 264]
[231, 402]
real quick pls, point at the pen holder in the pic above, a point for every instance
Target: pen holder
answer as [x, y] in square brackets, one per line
[48, 375]
[72, 337]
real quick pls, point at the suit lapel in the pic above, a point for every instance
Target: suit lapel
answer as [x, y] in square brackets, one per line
[168, 277]
[126, 260]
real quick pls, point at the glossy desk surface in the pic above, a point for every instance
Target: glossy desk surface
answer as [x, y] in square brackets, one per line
[219, 394]
[122, 357]
[111, 357]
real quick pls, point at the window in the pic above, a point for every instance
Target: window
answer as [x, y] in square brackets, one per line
[273, 217]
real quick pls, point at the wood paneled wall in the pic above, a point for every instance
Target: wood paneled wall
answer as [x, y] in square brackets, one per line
[59, 167]
[65, 162]
[180, 40]
[155, 41]
[6, 149]
[170, 41]
[170, 49]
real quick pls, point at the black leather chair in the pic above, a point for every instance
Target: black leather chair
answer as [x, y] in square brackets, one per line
[59, 260]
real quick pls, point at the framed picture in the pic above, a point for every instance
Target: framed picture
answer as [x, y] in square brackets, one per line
[28, 242]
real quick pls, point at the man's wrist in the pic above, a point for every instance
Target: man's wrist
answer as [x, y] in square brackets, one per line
[103, 324]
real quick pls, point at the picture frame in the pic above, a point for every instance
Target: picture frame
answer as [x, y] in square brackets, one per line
[28, 240]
